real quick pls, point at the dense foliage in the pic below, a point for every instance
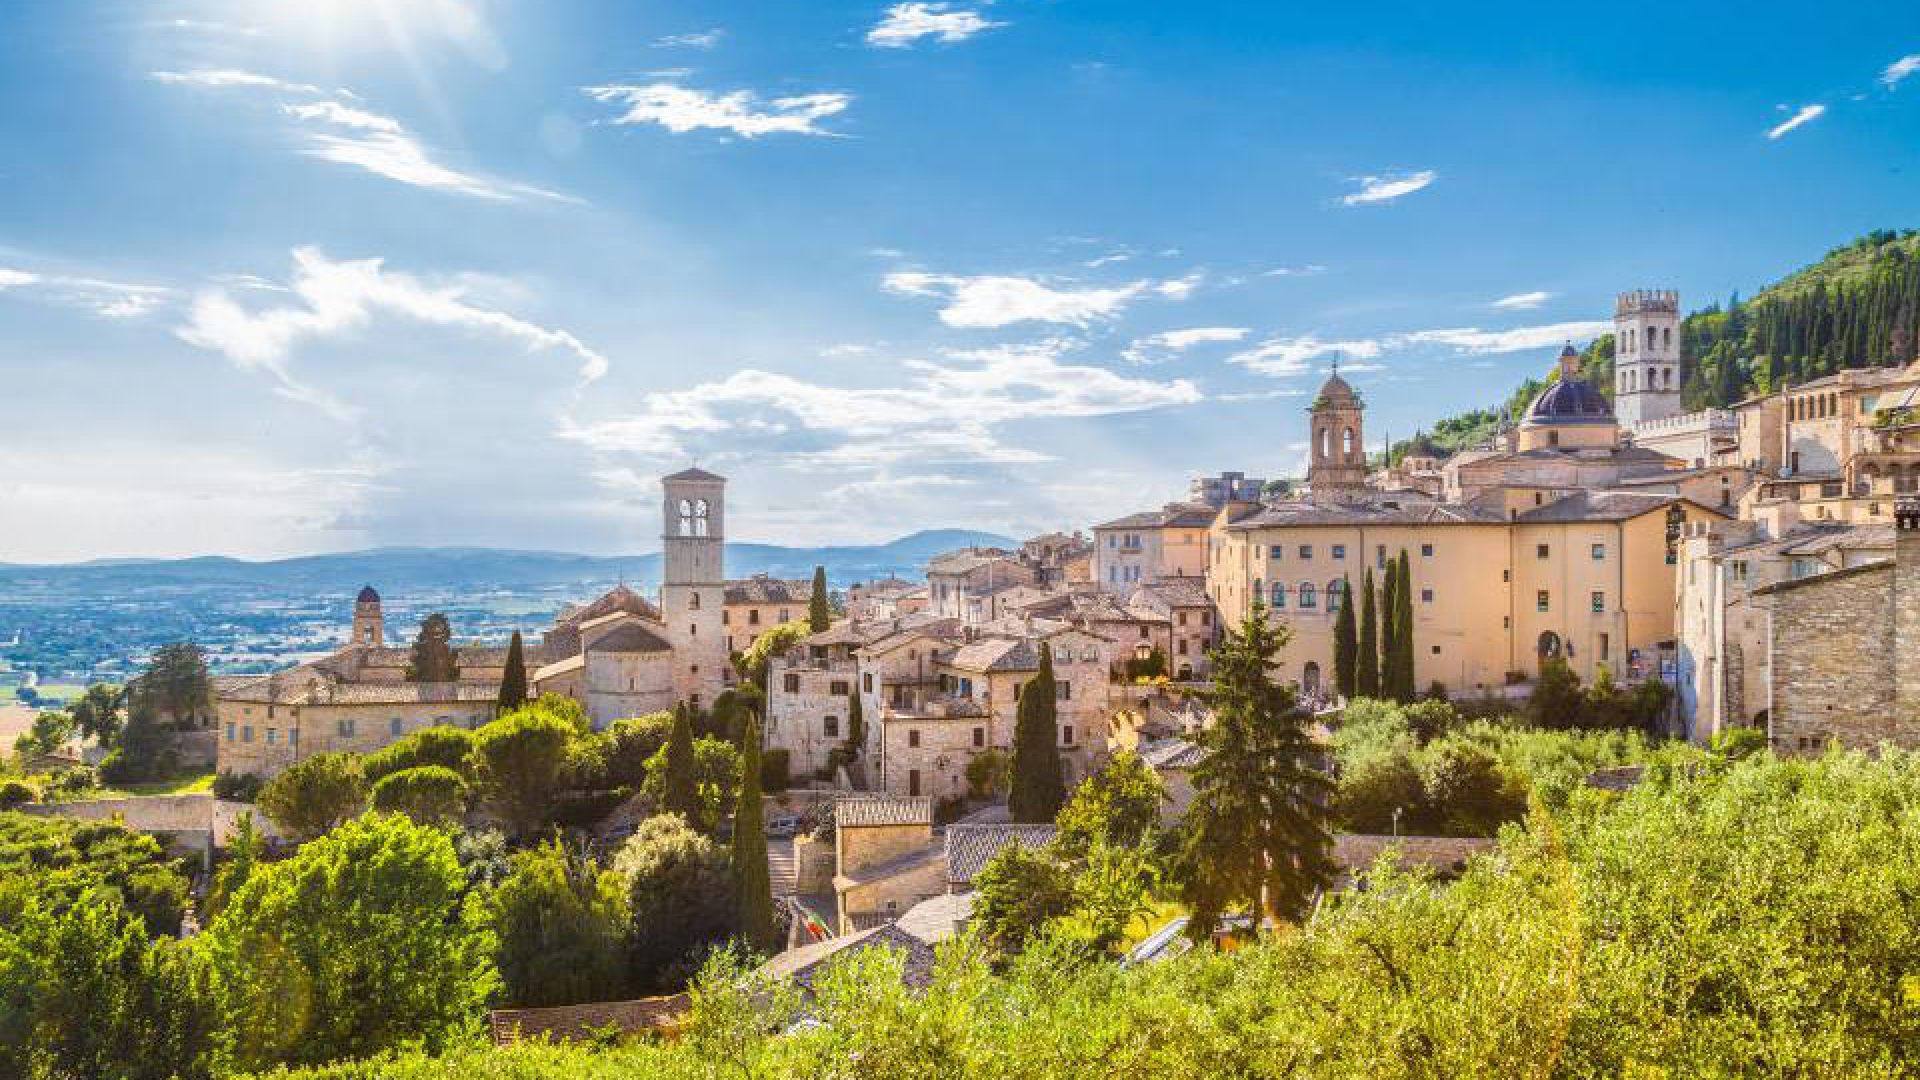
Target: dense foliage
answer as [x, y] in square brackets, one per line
[58, 860]
[1037, 788]
[559, 925]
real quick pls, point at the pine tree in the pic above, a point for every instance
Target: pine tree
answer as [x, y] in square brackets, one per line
[856, 724]
[681, 791]
[1346, 646]
[753, 894]
[1403, 632]
[1389, 627]
[1037, 790]
[1367, 667]
[513, 681]
[819, 611]
[433, 660]
[1256, 836]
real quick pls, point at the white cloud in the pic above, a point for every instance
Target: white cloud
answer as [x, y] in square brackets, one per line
[337, 298]
[1526, 301]
[905, 24]
[1806, 114]
[1153, 347]
[995, 300]
[13, 279]
[333, 112]
[229, 78]
[1900, 69]
[681, 109]
[946, 413]
[1283, 356]
[1309, 270]
[107, 299]
[1379, 189]
[705, 39]
[1517, 339]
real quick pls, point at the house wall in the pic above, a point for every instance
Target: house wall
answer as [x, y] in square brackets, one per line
[261, 740]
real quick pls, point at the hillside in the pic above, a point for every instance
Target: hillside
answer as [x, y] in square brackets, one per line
[1858, 306]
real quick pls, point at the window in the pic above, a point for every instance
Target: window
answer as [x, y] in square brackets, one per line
[1506, 576]
[790, 683]
[913, 736]
[393, 726]
[1380, 556]
[230, 730]
[1542, 601]
[1066, 734]
[838, 688]
[1599, 552]
[693, 601]
[1307, 599]
[1306, 551]
[1145, 632]
[1181, 647]
[1599, 602]
[913, 781]
[1426, 551]
[1206, 618]
[273, 736]
[344, 728]
[753, 616]
[1542, 551]
[1740, 570]
[866, 682]
[246, 733]
[1426, 596]
[979, 736]
[1181, 617]
[1436, 650]
[1062, 691]
[785, 616]
[1605, 642]
[1334, 594]
[1339, 551]
[830, 726]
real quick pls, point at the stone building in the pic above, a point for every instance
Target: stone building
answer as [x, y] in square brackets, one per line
[1646, 356]
[760, 603]
[885, 859]
[1170, 542]
[1218, 491]
[1337, 451]
[958, 580]
[1845, 651]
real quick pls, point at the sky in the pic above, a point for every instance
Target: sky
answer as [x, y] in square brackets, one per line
[293, 276]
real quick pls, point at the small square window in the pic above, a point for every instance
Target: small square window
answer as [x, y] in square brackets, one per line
[1436, 650]
[1506, 576]
[1426, 551]
[1599, 552]
[830, 727]
[1599, 602]
[344, 728]
[1066, 735]
[1542, 551]
[1426, 596]
[393, 726]
[913, 736]
[979, 736]
[1339, 551]
[1542, 601]
[1306, 551]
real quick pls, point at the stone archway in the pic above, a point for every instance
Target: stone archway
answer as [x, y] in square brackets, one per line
[1549, 646]
[1310, 678]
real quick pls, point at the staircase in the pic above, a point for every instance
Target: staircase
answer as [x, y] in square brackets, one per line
[780, 871]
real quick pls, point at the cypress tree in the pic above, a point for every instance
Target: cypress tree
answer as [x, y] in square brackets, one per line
[513, 681]
[1403, 632]
[753, 892]
[1389, 627]
[856, 724]
[1367, 667]
[1256, 836]
[1038, 790]
[1346, 646]
[682, 788]
[819, 611]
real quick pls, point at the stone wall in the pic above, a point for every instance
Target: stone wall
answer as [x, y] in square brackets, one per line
[181, 816]
[1832, 650]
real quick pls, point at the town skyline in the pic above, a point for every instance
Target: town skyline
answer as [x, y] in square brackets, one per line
[275, 285]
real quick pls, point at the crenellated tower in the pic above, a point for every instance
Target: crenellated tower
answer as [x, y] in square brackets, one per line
[1646, 356]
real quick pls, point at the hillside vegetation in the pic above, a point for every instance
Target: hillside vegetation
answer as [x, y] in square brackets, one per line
[1857, 307]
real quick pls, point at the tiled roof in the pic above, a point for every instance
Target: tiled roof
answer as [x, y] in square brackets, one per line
[578, 1023]
[1356, 852]
[1876, 566]
[1872, 537]
[697, 474]
[970, 846]
[803, 963]
[1598, 506]
[631, 638]
[886, 868]
[960, 562]
[1305, 513]
[761, 589]
[1193, 515]
[937, 919]
[1174, 753]
[882, 810]
[308, 685]
[1178, 592]
[996, 654]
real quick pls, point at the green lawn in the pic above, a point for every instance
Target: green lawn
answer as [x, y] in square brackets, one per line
[188, 784]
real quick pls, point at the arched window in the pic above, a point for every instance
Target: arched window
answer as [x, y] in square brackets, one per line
[1650, 339]
[1549, 647]
[1258, 587]
[1346, 444]
[1279, 595]
[1666, 336]
[699, 517]
[1336, 592]
[693, 601]
[1308, 601]
[686, 517]
[1326, 443]
[1310, 678]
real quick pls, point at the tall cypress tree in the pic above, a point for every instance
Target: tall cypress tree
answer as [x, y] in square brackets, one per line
[819, 611]
[1403, 632]
[1256, 836]
[753, 892]
[513, 681]
[856, 723]
[1389, 628]
[1367, 669]
[1346, 645]
[1037, 790]
[682, 788]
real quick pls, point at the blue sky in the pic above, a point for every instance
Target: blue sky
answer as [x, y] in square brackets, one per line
[282, 276]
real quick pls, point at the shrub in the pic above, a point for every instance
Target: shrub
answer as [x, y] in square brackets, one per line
[428, 794]
[15, 793]
[311, 796]
[76, 780]
[238, 787]
[680, 892]
[444, 745]
[1737, 743]
[774, 769]
[632, 742]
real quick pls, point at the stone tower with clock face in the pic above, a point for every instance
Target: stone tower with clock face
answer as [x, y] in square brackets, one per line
[693, 582]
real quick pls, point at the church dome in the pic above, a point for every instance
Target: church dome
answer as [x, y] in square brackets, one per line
[1336, 391]
[367, 595]
[1570, 400]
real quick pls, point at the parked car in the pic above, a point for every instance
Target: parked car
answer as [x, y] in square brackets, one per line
[783, 825]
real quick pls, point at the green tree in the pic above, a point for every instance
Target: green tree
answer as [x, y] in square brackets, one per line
[432, 659]
[856, 724]
[1017, 892]
[631, 742]
[245, 852]
[987, 774]
[513, 681]
[1389, 628]
[52, 729]
[519, 761]
[819, 607]
[1557, 703]
[716, 779]
[1403, 670]
[314, 795]
[1037, 790]
[1346, 646]
[1467, 793]
[559, 924]
[1113, 891]
[681, 900]
[1118, 805]
[427, 794]
[753, 665]
[443, 744]
[1256, 834]
[753, 892]
[679, 786]
[1381, 793]
[175, 686]
[100, 713]
[355, 946]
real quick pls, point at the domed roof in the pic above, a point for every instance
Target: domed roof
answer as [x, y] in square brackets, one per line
[1336, 391]
[367, 595]
[1570, 400]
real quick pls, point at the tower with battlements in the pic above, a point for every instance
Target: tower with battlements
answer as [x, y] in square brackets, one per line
[1646, 356]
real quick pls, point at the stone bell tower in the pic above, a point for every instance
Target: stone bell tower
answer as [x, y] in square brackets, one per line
[693, 582]
[369, 626]
[1337, 459]
[1646, 356]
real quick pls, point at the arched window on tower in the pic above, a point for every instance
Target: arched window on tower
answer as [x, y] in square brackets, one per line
[1347, 448]
[699, 517]
[693, 600]
[1650, 339]
[1666, 337]
[1326, 443]
[686, 517]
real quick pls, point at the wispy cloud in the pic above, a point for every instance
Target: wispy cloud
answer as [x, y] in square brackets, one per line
[1899, 70]
[1526, 301]
[335, 298]
[1286, 356]
[994, 300]
[339, 115]
[1283, 356]
[1517, 339]
[229, 78]
[704, 39]
[681, 109]
[107, 299]
[1156, 347]
[905, 24]
[948, 412]
[1806, 114]
[1309, 270]
[1380, 189]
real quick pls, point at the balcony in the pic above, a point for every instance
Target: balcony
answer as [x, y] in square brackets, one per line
[936, 707]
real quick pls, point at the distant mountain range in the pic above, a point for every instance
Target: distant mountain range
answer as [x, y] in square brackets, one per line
[395, 570]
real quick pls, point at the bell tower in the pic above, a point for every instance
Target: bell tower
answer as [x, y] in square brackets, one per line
[693, 582]
[1646, 356]
[369, 626]
[1337, 458]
